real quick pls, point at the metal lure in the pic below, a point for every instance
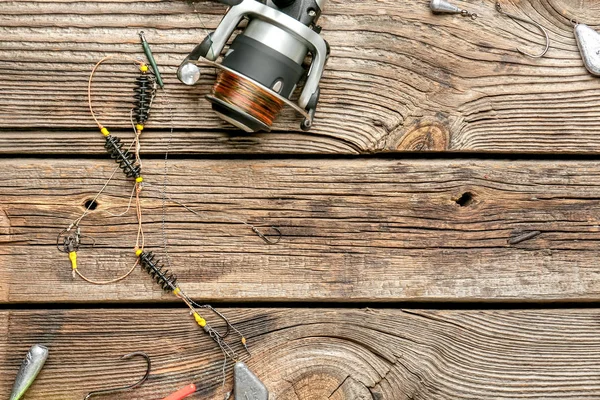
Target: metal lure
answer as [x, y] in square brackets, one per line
[444, 7]
[588, 41]
[30, 368]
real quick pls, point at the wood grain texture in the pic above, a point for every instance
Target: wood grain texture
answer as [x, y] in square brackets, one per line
[353, 230]
[399, 79]
[317, 353]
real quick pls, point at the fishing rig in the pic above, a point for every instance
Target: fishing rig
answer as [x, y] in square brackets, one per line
[264, 64]
[128, 161]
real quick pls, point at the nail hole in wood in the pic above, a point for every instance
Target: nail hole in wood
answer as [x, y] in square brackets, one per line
[465, 200]
[90, 204]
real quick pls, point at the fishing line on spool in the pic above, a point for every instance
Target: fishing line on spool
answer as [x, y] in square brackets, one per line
[247, 96]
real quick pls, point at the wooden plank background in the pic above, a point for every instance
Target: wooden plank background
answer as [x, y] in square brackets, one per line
[399, 79]
[397, 275]
[319, 353]
[375, 230]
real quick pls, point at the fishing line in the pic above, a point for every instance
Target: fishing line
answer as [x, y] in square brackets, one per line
[229, 217]
[128, 206]
[129, 161]
[247, 96]
[91, 78]
[139, 161]
[166, 178]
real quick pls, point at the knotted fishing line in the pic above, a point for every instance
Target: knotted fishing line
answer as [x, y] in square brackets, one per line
[129, 162]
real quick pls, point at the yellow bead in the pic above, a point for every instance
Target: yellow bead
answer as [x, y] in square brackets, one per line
[138, 252]
[73, 258]
[144, 68]
[201, 321]
[176, 291]
[139, 179]
[105, 131]
[139, 127]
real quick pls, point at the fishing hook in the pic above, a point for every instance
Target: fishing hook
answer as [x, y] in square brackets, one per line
[266, 239]
[228, 325]
[72, 242]
[66, 241]
[121, 389]
[254, 228]
[540, 27]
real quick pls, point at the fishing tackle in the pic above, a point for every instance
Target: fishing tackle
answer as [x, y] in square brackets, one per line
[182, 393]
[124, 158]
[444, 7]
[264, 64]
[71, 243]
[128, 387]
[246, 386]
[151, 60]
[129, 162]
[588, 42]
[145, 89]
[166, 280]
[30, 368]
[540, 27]
[71, 239]
[264, 237]
[144, 94]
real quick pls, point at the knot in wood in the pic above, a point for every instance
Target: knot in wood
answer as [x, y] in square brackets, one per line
[425, 136]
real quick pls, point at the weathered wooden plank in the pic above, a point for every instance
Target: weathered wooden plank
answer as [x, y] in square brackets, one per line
[318, 353]
[353, 230]
[399, 78]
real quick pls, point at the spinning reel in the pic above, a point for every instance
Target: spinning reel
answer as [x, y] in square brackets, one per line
[264, 64]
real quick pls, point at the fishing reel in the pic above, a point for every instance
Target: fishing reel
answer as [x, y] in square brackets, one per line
[264, 64]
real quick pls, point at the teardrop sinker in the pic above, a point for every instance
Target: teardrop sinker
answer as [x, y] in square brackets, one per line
[588, 41]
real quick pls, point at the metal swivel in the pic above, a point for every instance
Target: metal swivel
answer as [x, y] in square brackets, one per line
[444, 7]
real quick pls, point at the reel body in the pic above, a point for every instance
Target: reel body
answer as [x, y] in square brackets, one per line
[264, 64]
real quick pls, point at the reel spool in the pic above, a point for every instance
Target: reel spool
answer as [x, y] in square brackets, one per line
[264, 64]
